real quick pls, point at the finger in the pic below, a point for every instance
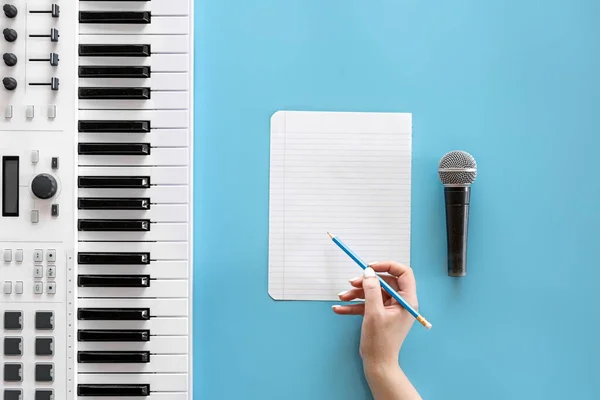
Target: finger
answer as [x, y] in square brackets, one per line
[373, 295]
[391, 267]
[352, 294]
[352, 309]
[405, 277]
[391, 280]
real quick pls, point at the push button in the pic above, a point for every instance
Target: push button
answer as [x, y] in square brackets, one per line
[44, 394]
[51, 288]
[13, 394]
[13, 320]
[13, 346]
[7, 255]
[44, 372]
[51, 112]
[13, 372]
[38, 255]
[51, 255]
[44, 320]
[19, 287]
[7, 287]
[29, 112]
[38, 287]
[38, 272]
[8, 111]
[19, 255]
[44, 346]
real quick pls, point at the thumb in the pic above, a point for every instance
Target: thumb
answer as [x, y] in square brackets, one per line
[372, 288]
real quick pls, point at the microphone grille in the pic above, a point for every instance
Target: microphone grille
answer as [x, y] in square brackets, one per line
[457, 168]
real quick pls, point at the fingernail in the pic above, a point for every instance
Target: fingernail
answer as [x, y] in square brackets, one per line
[354, 279]
[369, 273]
[373, 262]
[342, 293]
[336, 306]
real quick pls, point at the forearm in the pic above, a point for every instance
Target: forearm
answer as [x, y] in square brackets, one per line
[390, 383]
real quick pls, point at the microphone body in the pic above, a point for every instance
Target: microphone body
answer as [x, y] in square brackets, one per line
[457, 225]
[457, 171]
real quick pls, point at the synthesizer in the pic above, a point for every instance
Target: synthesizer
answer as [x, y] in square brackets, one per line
[96, 162]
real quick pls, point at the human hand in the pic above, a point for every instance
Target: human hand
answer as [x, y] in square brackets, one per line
[386, 323]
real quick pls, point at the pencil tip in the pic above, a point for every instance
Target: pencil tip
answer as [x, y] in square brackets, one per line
[330, 235]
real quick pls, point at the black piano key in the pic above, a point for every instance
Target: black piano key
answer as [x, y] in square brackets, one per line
[111, 281]
[114, 72]
[113, 390]
[114, 93]
[113, 203]
[101, 126]
[113, 357]
[114, 17]
[114, 182]
[113, 314]
[113, 225]
[113, 335]
[85, 258]
[114, 149]
[114, 50]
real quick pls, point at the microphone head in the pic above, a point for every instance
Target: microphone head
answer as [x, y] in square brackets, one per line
[457, 168]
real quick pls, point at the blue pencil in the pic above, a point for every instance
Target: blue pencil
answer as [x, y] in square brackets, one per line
[384, 284]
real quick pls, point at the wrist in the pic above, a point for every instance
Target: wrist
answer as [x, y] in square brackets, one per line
[380, 369]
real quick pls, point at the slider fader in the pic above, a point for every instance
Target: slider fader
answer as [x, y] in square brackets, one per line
[96, 132]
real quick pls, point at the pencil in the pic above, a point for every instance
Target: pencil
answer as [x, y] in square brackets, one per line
[384, 284]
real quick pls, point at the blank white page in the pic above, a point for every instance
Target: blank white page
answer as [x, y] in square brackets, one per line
[346, 173]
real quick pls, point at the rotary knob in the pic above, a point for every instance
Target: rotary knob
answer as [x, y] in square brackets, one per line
[9, 83]
[9, 34]
[44, 186]
[9, 10]
[10, 59]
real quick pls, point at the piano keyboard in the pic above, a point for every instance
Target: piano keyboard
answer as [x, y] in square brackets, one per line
[96, 206]
[134, 126]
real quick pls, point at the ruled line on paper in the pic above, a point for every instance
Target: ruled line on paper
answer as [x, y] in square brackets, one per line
[347, 173]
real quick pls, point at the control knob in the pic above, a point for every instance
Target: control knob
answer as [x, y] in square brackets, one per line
[9, 83]
[10, 59]
[44, 186]
[9, 10]
[9, 34]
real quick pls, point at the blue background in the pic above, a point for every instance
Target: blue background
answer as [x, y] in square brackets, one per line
[516, 83]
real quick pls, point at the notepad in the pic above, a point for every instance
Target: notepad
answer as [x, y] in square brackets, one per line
[347, 173]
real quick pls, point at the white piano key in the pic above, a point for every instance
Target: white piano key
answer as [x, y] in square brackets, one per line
[156, 345]
[158, 231]
[156, 269]
[158, 326]
[157, 81]
[157, 250]
[158, 363]
[158, 382]
[157, 62]
[171, 7]
[159, 289]
[172, 100]
[158, 194]
[161, 156]
[156, 137]
[157, 213]
[158, 26]
[153, 396]
[158, 308]
[165, 44]
[158, 175]
[167, 119]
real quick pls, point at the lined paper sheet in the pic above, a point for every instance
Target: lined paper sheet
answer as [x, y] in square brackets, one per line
[346, 173]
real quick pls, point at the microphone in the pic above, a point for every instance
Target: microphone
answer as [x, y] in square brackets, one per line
[457, 171]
